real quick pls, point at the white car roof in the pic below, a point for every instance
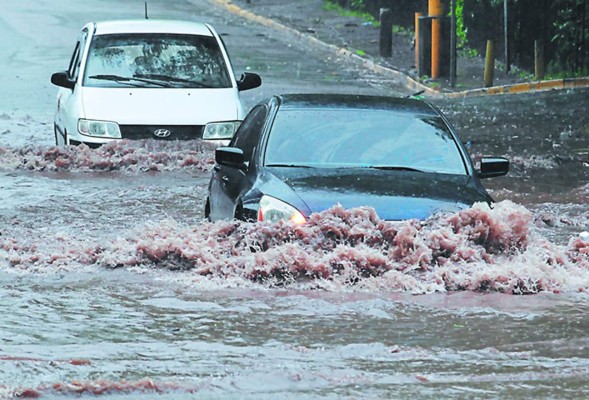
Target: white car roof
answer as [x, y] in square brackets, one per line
[152, 26]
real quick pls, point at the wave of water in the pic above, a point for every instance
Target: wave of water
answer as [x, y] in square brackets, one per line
[126, 156]
[479, 249]
[505, 248]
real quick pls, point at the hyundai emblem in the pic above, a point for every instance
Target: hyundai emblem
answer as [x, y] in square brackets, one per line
[161, 133]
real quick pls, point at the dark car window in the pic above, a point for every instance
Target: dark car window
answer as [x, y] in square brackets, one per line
[248, 134]
[186, 60]
[363, 138]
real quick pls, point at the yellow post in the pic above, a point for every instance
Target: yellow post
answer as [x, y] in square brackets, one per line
[435, 9]
[489, 64]
[417, 15]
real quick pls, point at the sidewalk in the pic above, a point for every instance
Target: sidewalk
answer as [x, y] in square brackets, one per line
[358, 40]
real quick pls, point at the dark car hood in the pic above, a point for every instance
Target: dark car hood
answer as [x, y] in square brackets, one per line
[395, 195]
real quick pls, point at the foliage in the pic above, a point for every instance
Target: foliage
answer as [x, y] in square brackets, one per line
[523, 74]
[462, 33]
[563, 25]
[461, 30]
[571, 36]
[564, 75]
[401, 30]
[356, 11]
[468, 52]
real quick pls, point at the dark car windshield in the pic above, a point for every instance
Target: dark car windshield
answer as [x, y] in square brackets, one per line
[156, 60]
[352, 138]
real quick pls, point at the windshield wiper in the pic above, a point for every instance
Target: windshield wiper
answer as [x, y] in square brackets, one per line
[381, 167]
[289, 165]
[393, 168]
[167, 78]
[127, 79]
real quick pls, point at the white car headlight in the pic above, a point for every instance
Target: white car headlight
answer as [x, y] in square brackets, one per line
[272, 209]
[220, 130]
[105, 129]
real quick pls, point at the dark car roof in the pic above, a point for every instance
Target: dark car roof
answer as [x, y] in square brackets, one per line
[353, 101]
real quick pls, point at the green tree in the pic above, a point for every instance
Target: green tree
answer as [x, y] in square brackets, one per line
[570, 36]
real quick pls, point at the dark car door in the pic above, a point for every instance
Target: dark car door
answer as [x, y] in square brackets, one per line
[228, 184]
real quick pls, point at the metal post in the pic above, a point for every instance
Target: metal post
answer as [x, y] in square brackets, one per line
[416, 39]
[506, 36]
[489, 64]
[425, 48]
[386, 32]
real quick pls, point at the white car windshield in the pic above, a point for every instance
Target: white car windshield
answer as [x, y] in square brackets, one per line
[156, 60]
[362, 138]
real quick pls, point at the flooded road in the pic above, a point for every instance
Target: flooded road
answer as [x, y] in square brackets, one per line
[112, 284]
[132, 336]
[546, 138]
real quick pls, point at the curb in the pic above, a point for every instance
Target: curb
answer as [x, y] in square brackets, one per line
[537, 86]
[410, 83]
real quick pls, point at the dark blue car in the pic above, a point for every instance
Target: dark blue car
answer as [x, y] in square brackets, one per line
[295, 155]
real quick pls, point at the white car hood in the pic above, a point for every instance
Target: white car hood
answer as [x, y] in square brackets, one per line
[160, 106]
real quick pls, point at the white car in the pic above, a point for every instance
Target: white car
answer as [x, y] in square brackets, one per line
[139, 79]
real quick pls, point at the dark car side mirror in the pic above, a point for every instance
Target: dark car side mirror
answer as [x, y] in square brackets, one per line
[248, 81]
[493, 166]
[61, 79]
[231, 157]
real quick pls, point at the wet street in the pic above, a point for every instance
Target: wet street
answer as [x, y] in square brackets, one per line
[113, 285]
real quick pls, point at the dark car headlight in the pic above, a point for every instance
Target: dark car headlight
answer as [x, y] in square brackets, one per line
[271, 209]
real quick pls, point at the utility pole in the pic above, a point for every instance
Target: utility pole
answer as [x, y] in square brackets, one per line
[506, 36]
[435, 9]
